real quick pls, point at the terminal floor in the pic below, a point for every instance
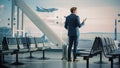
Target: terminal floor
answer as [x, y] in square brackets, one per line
[54, 61]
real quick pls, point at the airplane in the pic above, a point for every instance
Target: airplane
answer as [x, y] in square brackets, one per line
[40, 9]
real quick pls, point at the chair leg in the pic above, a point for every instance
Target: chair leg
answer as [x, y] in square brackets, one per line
[17, 62]
[31, 55]
[111, 63]
[43, 56]
[118, 63]
[87, 63]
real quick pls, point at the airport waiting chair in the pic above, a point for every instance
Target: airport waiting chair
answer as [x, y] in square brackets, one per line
[31, 45]
[13, 48]
[109, 49]
[95, 50]
[41, 46]
[5, 49]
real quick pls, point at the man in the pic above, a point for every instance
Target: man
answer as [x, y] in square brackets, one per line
[72, 24]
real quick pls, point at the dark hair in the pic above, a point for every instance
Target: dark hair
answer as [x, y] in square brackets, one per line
[73, 9]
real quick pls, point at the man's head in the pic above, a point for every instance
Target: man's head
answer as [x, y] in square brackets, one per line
[73, 10]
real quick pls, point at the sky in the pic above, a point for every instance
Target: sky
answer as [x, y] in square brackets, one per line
[100, 14]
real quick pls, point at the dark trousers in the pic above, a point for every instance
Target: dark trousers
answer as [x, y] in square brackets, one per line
[72, 40]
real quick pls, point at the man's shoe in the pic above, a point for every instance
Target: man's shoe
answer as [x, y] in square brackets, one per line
[69, 60]
[75, 60]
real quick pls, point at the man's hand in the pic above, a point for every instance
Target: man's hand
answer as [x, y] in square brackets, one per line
[84, 19]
